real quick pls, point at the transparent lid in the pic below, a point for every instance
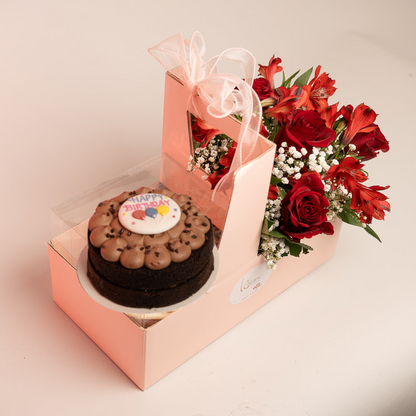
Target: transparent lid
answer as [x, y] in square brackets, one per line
[69, 220]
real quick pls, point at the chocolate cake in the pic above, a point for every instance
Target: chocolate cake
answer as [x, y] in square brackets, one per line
[149, 248]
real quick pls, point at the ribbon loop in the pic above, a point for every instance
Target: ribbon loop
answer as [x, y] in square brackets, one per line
[223, 94]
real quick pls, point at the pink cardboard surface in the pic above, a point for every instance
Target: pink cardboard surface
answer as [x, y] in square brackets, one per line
[146, 355]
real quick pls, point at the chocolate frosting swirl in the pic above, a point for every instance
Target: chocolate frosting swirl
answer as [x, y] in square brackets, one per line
[111, 250]
[99, 219]
[157, 257]
[101, 234]
[133, 257]
[179, 251]
[194, 237]
[153, 239]
[198, 222]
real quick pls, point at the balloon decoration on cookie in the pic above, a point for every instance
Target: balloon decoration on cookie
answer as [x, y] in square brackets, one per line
[149, 214]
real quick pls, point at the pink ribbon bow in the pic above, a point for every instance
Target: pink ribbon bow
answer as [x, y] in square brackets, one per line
[224, 94]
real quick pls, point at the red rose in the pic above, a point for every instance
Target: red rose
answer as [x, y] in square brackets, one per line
[305, 129]
[304, 208]
[369, 144]
[262, 88]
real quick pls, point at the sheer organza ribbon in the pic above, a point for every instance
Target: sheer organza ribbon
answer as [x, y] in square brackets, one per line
[224, 94]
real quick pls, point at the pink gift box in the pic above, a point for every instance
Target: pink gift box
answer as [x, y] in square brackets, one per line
[147, 347]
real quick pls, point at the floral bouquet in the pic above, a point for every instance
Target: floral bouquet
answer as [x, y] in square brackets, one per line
[318, 170]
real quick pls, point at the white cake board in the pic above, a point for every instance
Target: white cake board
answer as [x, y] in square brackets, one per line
[92, 292]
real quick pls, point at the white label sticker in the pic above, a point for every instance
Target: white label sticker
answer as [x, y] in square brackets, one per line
[252, 281]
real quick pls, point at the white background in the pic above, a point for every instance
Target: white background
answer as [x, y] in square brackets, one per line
[81, 100]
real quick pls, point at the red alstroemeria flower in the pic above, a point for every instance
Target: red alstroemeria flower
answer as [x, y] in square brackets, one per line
[366, 201]
[330, 115]
[359, 120]
[226, 159]
[202, 132]
[282, 109]
[348, 173]
[214, 178]
[319, 88]
[273, 192]
[369, 203]
[287, 101]
[301, 94]
[270, 70]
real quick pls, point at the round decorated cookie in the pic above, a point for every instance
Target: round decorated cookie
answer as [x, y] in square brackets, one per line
[149, 213]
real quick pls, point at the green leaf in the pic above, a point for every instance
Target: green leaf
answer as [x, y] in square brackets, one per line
[350, 217]
[282, 192]
[265, 228]
[297, 248]
[372, 232]
[267, 123]
[276, 128]
[286, 83]
[274, 181]
[304, 78]
[274, 233]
